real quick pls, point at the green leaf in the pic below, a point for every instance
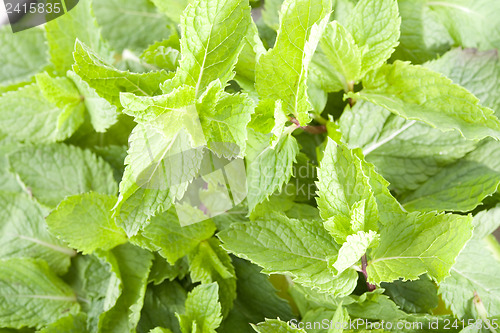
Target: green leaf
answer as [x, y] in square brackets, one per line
[421, 243]
[160, 305]
[97, 285]
[173, 9]
[461, 186]
[268, 167]
[474, 272]
[62, 33]
[478, 72]
[210, 263]
[346, 201]
[69, 324]
[25, 114]
[256, 299]
[270, 13]
[342, 53]
[354, 248]
[23, 55]
[32, 295]
[282, 72]
[203, 311]
[102, 114]
[301, 249]
[173, 240]
[276, 326]
[466, 22]
[133, 265]
[413, 296]
[84, 221]
[130, 24]
[164, 54]
[417, 93]
[423, 36]
[405, 152]
[374, 25]
[213, 32]
[158, 171]
[108, 81]
[52, 172]
[486, 222]
[162, 270]
[24, 233]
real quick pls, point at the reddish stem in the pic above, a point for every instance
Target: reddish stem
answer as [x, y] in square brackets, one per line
[364, 263]
[310, 129]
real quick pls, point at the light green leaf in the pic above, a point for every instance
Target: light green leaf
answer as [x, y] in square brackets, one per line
[23, 55]
[469, 23]
[340, 316]
[84, 221]
[301, 249]
[203, 311]
[59, 91]
[374, 24]
[417, 93]
[423, 36]
[69, 324]
[354, 248]
[210, 263]
[268, 167]
[52, 172]
[62, 33]
[160, 330]
[27, 115]
[342, 53]
[346, 201]
[282, 72]
[32, 295]
[158, 171]
[276, 326]
[478, 72]
[164, 54]
[162, 270]
[108, 81]
[102, 114]
[270, 13]
[172, 8]
[24, 233]
[213, 33]
[421, 243]
[461, 186]
[130, 24]
[486, 222]
[405, 152]
[133, 265]
[172, 240]
[474, 272]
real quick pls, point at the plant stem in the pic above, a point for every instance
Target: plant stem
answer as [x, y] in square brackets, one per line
[364, 263]
[310, 129]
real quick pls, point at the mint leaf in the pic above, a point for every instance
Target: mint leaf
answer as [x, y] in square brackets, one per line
[70, 324]
[479, 172]
[52, 172]
[174, 241]
[301, 25]
[23, 55]
[203, 311]
[108, 81]
[164, 54]
[414, 92]
[416, 296]
[24, 233]
[342, 53]
[25, 114]
[421, 243]
[32, 295]
[115, 17]
[374, 26]
[85, 223]
[173, 9]
[62, 33]
[275, 326]
[354, 248]
[212, 37]
[268, 167]
[300, 249]
[486, 222]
